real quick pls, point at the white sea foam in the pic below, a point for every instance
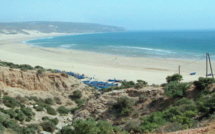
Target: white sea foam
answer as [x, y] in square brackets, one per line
[144, 48]
[67, 45]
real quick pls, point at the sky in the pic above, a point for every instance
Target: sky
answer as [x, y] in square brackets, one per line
[130, 14]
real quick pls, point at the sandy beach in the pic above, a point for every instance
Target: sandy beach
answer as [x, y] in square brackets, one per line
[100, 66]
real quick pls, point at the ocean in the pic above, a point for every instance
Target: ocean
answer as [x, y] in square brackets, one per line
[168, 44]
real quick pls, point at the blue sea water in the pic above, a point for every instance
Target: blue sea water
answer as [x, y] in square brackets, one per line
[174, 44]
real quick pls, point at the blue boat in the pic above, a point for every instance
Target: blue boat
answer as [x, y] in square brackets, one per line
[194, 73]
[112, 80]
[209, 74]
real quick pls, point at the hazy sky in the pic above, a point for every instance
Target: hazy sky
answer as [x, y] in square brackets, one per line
[131, 14]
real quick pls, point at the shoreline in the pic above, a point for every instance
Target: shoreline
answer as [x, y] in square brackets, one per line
[100, 66]
[174, 57]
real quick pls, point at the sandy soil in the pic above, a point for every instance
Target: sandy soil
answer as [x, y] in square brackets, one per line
[101, 66]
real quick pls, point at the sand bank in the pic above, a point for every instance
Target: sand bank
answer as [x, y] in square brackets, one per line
[101, 66]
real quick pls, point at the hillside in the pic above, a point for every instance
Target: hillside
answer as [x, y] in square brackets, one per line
[55, 27]
[36, 100]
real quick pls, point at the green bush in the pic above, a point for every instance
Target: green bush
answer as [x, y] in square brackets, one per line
[62, 110]
[57, 100]
[48, 126]
[206, 104]
[80, 102]
[90, 126]
[20, 116]
[26, 130]
[85, 127]
[140, 84]
[66, 130]
[11, 124]
[76, 94]
[35, 127]
[49, 101]
[55, 121]
[40, 71]
[10, 112]
[203, 83]
[104, 127]
[64, 74]
[175, 89]
[124, 106]
[175, 77]
[28, 112]
[152, 122]
[74, 109]
[39, 108]
[142, 98]
[45, 118]
[133, 126]
[10, 102]
[183, 101]
[38, 67]
[51, 111]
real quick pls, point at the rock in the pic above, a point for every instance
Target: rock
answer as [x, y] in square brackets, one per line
[69, 119]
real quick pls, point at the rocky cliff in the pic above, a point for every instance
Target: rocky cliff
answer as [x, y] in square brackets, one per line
[31, 80]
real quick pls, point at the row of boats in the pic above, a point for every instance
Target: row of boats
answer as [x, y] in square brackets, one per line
[97, 84]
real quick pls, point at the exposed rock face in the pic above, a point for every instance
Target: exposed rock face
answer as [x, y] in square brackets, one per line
[30, 80]
[98, 107]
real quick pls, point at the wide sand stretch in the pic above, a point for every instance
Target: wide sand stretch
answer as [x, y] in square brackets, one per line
[100, 66]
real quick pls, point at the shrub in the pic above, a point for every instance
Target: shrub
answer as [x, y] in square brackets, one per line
[38, 67]
[26, 67]
[140, 84]
[3, 117]
[40, 71]
[36, 127]
[203, 83]
[104, 127]
[76, 94]
[51, 111]
[175, 89]
[80, 102]
[74, 109]
[175, 77]
[57, 100]
[55, 121]
[11, 124]
[64, 74]
[20, 116]
[124, 106]
[10, 112]
[85, 127]
[206, 104]
[45, 118]
[142, 97]
[183, 101]
[26, 130]
[128, 84]
[66, 130]
[62, 110]
[152, 122]
[133, 126]
[48, 126]
[49, 101]
[39, 108]
[10, 102]
[28, 112]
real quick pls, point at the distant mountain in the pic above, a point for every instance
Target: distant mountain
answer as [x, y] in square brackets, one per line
[58, 27]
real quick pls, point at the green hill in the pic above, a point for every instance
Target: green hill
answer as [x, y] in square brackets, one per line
[58, 27]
